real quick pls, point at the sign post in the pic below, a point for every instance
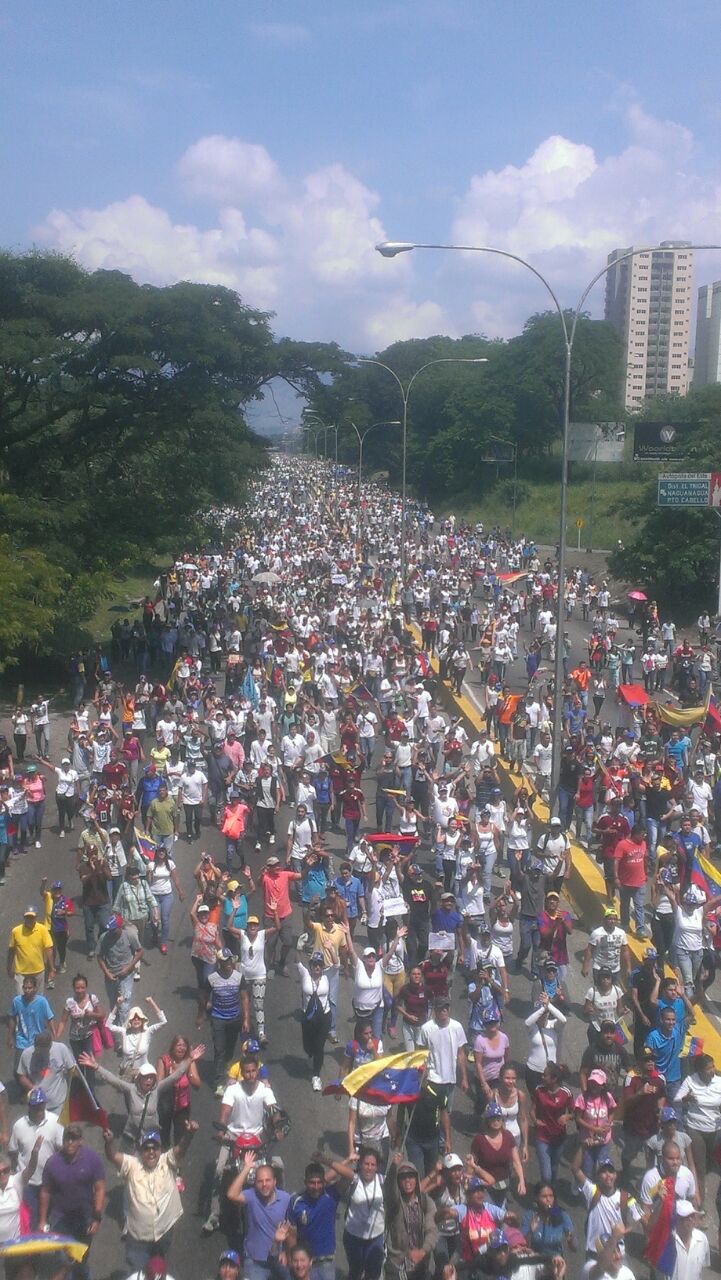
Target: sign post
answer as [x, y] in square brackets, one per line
[579, 525]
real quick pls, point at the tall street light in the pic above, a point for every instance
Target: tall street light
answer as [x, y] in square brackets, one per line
[405, 395]
[393, 422]
[391, 249]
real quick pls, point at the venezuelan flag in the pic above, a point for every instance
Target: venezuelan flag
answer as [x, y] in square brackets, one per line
[392, 1079]
[705, 875]
[146, 845]
[80, 1105]
[622, 1035]
[30, 1246]
[692, 1045]
[660, 1248]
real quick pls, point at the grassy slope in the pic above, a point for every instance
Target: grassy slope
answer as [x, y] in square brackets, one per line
[538, 515]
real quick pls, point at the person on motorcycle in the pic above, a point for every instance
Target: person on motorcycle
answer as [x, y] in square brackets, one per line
[248, 1108]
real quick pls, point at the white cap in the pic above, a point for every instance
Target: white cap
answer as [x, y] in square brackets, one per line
[684, 1208]
[452, 1161]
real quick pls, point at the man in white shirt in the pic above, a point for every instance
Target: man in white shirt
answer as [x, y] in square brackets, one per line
[247, 1105]
[38, 1123]
[445, 1040]
[192, 794]
[669, 1166]
[482, 751]
[700, 794]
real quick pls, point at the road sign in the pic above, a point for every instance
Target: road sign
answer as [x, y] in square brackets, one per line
[580, 522]
[690, 489]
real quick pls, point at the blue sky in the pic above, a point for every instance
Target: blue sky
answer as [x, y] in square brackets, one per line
[269, 146]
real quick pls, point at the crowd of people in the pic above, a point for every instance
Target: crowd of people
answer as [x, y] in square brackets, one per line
[289, 691]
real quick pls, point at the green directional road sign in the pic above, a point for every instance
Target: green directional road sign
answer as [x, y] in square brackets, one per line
[685, 489]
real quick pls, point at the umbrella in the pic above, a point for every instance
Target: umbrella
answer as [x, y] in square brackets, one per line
[268, 576]
[637, 595]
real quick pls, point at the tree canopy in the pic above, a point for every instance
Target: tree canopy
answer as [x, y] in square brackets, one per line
[121, 416]
[458, 412]
[674, 552]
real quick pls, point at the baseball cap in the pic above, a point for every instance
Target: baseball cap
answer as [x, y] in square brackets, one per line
[56, 884]
[606, 1164]
[65, 760]
[452, 1161]
[232, 884]
[650, 954]
[610, 911]
[113, 831]
[684, 1209]
[30, 911]
[223, 954]
[668, 1114]
[151, 1137]
[370, 951]
[37, 1097]
[147, 1069]
[230, 1256]
[273, 862]
[648, 1053]
[203, 907]
[598, 1076]
[490, 1015]
[555, 822]
[475, 1183]
[155, 1268]
[442, 1002]
[498, 1239]
[493, 1110]
[113, 922]
[252, 920]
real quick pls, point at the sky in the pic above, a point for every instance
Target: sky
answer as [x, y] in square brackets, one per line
[270, 146]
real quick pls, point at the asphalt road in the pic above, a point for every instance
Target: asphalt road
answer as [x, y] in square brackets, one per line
[170, 980]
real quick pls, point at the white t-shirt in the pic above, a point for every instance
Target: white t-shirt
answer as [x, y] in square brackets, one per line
[66, 779]
[247, 1110]
[161, 883]
[309, 988]
[366, 1214]
[688, 928]
[443, 1044]
[604, 1216]
[685, 1185]
[606, 948]
[10, 1201]
[24, 1136]
[191, 784]
[604, 1004]
[703, 1109]
[367, 988]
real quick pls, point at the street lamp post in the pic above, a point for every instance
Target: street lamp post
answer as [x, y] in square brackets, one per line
[512, 445]
[390, 249]
[405, 395]
[393, 422]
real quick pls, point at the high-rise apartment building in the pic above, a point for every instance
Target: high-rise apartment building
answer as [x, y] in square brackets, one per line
[648, 300]
[707, 356]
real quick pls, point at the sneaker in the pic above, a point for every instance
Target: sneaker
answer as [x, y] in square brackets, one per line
[91, 955]
[136, 976]
[317, 1084]
[333, 1037]
[210, 1225]
[219, 1090]
[62, 835]
[163, 949]
[50, 984]
[258, 845]
[271, 839]
[63, 968]
[2, 880]
[38, 844]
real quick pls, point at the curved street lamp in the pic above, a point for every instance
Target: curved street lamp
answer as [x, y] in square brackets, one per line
[405, 391]
[391, 422]
[391, 249]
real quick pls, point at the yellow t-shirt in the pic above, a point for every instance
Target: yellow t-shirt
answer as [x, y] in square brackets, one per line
[329, 942]
[29, 947]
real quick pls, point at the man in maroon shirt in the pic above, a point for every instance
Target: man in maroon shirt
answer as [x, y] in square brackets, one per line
[611, 827]
[644, 1093]
[551, 1111]
[630, 867]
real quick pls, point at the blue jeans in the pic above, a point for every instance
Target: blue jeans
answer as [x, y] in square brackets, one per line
[549, 1157]
[365, 1257]
[689, 965]
[385, 809]
[253, 1270]
[565, 807]
[120, 989]
[653, 828]
[637, 899]
[35, 818]
[530, 939]
[592, 1157]
[422, 1154]
[323, 1270]
[139, 1252]
[351, 831]
[165, 906]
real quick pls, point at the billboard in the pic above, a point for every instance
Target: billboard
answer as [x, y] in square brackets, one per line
[658, 442]
[596, 441]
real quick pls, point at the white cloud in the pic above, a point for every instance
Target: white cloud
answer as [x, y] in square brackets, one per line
[400, 318]
[305, 247]
[565, 208]
[225, 170]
